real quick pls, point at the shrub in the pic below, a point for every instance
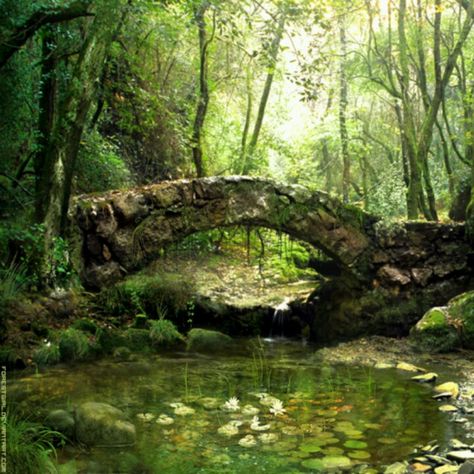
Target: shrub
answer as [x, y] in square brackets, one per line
[47, 354]
[30, 447]
[137, 339]
[74, 345]
[86, 325]
[163, 333]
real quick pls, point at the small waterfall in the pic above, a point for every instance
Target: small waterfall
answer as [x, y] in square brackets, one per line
[282, 311]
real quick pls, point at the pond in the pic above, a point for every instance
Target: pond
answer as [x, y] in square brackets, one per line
[330, 417]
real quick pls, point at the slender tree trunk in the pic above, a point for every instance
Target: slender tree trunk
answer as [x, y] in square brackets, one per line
[273, 56]
[245, 132]
[203, 95]
[327, 168]
[43, 160]
[346, 163]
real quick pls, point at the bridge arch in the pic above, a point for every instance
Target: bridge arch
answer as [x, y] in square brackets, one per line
[121, 231]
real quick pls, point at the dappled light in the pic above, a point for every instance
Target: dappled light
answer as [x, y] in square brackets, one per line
[237, 236]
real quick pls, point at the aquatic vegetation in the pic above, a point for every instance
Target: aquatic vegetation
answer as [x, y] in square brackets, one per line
[146, 417]
[248, 441]
[256, 426]
[183, 410]
[250, 410]
[30, 447]
[267, 438]
[232, 405]
[164, 420]
[277, 408]
[229, 429]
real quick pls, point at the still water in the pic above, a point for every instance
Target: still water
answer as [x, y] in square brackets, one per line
[312, 417]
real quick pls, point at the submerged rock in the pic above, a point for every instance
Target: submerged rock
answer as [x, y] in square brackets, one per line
[101, 424]
[204, 340]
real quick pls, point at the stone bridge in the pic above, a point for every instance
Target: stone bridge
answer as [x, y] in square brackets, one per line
[121, 231]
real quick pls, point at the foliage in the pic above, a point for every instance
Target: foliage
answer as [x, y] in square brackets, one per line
[142, 293]
[74, 345]
[100, 166]
[30, 447]
[163, 333]
[47, 354]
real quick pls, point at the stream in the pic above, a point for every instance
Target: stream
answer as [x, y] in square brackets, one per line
[330, 417]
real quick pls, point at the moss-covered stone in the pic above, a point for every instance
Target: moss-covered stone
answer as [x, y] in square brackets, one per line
[434, 333]
[163, 333]
[461, 312]
[204, 340]
[110, 338]
[137, 339]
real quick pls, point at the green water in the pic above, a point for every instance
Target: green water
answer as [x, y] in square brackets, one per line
[367, 416]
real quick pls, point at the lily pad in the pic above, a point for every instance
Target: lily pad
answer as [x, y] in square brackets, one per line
[332, 462]
[355, 444]
[311, 446]
[333, 451]
[314, 464]
[358, 454]
[387, 441]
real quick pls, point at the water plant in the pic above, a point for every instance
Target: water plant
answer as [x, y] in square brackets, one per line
[30, 447]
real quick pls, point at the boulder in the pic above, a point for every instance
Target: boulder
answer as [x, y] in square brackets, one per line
[204, 340]
[101, 424]
[434, 333]
[62, 421]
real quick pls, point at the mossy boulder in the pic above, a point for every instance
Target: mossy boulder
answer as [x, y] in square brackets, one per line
[442, 329]
[61, 421]
[205, 340]
[75, 345]
[461, 311]
[137, 339]
[434, 333]
[101, 424]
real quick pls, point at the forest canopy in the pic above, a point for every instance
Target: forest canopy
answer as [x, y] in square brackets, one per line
[370, 100]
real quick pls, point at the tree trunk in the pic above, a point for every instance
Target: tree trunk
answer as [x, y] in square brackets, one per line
[203, 95]
[273, 56]
[43, 160]
[245, 132]
[346, 163]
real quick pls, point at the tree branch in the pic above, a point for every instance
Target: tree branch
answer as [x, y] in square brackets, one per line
[44, 16]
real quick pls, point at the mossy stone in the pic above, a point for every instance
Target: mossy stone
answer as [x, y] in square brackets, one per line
[205, 340]
[433, 333]
[461, 310]
[137, 339]
[110, 339]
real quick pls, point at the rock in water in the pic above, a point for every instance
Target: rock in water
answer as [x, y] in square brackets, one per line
[448, 387]
[425, 378]
[101, 424]
[461, 456]
[62, 421]
[467, 468]
[204, 340]
[409, 367]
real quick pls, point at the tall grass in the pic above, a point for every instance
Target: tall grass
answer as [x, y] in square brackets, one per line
[30, 448]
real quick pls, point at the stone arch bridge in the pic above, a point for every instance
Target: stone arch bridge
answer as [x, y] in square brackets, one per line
[119, 232]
